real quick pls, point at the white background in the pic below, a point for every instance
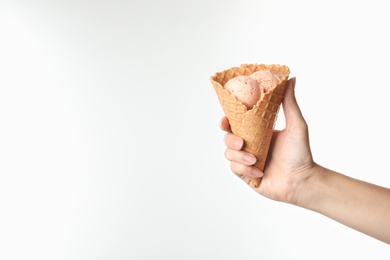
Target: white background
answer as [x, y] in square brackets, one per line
[109, 139]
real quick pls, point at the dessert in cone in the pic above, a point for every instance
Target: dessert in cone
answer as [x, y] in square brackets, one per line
[255, 126]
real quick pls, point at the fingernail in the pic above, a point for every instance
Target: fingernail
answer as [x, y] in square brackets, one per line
[249, 158]
[256, 172]
[237, 143]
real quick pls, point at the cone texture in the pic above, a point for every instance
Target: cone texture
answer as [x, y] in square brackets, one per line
[256, 125]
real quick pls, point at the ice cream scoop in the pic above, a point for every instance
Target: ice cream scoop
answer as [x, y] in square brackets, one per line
[246, 89]
[266, 79]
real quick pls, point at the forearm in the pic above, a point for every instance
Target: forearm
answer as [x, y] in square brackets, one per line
[360, 205]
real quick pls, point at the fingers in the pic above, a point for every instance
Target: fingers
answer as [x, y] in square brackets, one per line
[291, 109]
[244, 170]
[240, 157]
[232, 141]
[224, 124]
[241, 163]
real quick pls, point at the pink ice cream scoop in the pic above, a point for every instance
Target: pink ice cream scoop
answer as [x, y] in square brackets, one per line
[246, 89]
[266, 79]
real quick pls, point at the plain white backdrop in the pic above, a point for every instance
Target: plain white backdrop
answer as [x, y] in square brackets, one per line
[109, 139]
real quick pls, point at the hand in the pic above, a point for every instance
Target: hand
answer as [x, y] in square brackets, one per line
[289, 161]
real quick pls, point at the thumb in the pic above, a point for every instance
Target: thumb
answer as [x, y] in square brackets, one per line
[291, 110]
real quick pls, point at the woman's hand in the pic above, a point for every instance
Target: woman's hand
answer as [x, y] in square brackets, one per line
[289, 159]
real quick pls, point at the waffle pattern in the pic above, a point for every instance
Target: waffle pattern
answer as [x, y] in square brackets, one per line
[256, 125]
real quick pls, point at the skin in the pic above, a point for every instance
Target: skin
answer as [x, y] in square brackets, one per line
[292, 176]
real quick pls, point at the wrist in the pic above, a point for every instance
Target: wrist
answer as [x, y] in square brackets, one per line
[307, 190]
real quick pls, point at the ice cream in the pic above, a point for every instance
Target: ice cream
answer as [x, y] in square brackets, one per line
[266, 79]
[250, 89]
[246, 89]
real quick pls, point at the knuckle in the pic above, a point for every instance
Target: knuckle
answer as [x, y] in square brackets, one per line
[226, 139]
[227, 154]
[238, 168]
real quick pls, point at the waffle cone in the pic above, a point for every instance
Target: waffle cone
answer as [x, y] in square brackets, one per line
[254, 126]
